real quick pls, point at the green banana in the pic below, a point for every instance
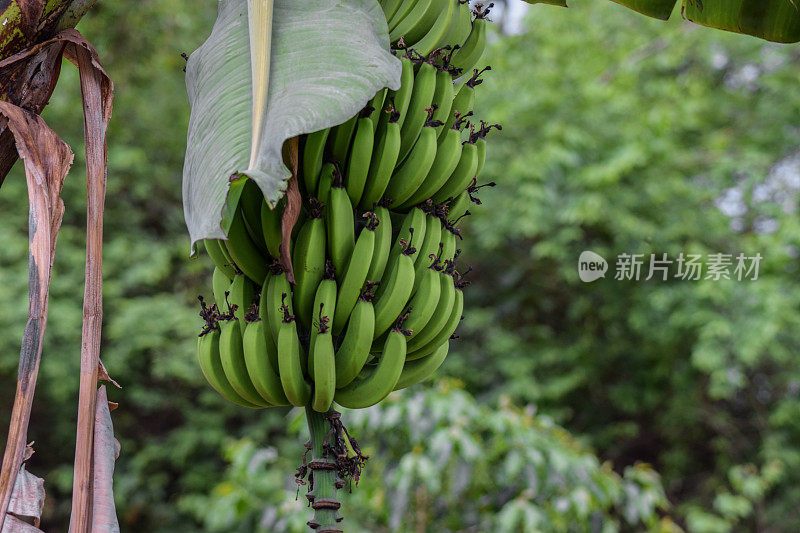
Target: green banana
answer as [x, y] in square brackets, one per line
[376, 105]
[411, 173]
[418, 108]
[327, 176]
[241, 296]
[340, 227]
[383, 243]
[460, 25]
[313, 155]
[360, 155]
[424, 302]
[444, 308]
[480, 144]
[428, 251]
[355, 347]
[219, 258]
[269, 329]
[394, 291]
[339, 140]
[443, 96]
[355, 275]
[323, 310]
[271, 226]
[383, 161]
[250, 204]
[308, 262]
[390, 7]
[243, 251]
[324, 368]
[435, 35]
[211, 365]
[232, 356]
[258, 356]
[464, 101]
[272, 302]
[470, 53]
[461, 177]
[412, 229]
[448, 155]
[448, 243]
[445, 332]
[220, 285]
[224, 249]
[290, 355]
[419, 369]
[401, 97]
[479, 138]
[409, 157]
[458, 208]
[400, 12]
[417, 21]
[375, 383]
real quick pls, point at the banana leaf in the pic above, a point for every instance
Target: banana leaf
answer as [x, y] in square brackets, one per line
[660, 9]
[269, 71]
[773, 20]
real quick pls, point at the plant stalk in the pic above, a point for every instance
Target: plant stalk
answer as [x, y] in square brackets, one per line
[324, 482]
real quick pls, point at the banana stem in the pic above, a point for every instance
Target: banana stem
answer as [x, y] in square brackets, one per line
[324, 480]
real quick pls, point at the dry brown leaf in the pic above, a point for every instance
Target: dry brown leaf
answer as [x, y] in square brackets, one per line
[15, 525]
[29, 78]
[292, 211]
[27, 500]
[29, 451]
[47, 159]
[97, 93]
[102, 375]
[106, 451]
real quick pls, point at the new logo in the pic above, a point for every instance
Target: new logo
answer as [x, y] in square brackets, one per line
[591, 266]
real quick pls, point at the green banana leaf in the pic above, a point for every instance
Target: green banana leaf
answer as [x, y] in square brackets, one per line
[271, 70]
[773, 20]
[660, 9]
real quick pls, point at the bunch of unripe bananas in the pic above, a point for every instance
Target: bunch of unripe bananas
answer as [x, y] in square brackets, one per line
[376, 296]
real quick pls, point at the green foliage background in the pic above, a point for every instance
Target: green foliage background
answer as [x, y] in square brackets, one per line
[565, 406]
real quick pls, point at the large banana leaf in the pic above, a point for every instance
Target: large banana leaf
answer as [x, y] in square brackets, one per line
[268, 72]
[773, 20]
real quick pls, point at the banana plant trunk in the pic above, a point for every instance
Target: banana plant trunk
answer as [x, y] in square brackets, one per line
[324, 480]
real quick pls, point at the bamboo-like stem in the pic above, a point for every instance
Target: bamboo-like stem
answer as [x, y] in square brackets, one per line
[324, 481]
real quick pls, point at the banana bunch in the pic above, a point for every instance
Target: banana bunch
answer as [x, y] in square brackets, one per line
[376, 296]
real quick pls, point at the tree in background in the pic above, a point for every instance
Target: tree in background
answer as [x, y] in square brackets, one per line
[632, 137]
[441, 461]
[624, 134]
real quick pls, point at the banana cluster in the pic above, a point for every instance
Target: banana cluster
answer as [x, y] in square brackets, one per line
[376, 296]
